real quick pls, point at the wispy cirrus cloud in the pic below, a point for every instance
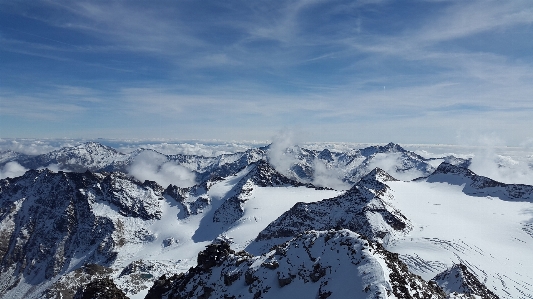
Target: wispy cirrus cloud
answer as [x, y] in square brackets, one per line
[258, 66]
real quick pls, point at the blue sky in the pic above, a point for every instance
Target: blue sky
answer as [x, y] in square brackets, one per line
[350, 71]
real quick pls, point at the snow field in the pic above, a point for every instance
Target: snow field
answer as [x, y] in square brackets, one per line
[484, 232]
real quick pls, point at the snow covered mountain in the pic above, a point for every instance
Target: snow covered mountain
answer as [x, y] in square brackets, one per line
[303, 165]
[366, 208]
[53, 223]
[459, 280]
[87, 156]
[253, 227]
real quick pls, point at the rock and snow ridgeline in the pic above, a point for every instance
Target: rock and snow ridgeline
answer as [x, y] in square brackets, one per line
[81, 231]
[317, 264]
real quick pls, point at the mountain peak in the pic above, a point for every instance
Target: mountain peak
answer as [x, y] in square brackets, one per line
[393, 146]
[375, 182]
[447, 168]
[326, 155]
[379, 175]
[459, 279]
[381, 149]
[477, 185]
[90, 146]
[264, 175]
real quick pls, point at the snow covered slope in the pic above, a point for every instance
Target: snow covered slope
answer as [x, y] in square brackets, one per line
[459, 280]
[367, 208]
[461, 218]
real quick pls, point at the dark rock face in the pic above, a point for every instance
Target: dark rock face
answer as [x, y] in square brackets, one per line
[264, 175]
[213, 255]
[49, 221]
[103, 288]
[352, 210]
[326, 155]
[315, 264]
[459, 280]
[68, 285]
[192, 200]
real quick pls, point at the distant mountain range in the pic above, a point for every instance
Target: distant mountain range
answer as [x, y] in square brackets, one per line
[405, 227]
[351, 165]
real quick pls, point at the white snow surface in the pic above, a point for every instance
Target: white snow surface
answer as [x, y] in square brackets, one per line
[485, 233]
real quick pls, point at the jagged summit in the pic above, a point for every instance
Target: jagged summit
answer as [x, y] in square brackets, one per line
[379, 175]
[449, 168]
[264, 175]
[459, 280]
[326, 155]
[316, 264]
[388, 148]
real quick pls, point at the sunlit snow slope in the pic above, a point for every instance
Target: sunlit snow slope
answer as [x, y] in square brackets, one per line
[489, 232]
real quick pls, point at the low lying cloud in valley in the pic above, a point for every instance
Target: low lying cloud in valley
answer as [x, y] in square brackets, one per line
[150, 165]
[328, 177]
[11, 170]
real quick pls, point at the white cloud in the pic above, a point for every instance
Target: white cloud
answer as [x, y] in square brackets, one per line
[465, 19]
[328, 177]
[281, 151]
[30, 146]
[12, 170]
[502, 168]
[54, 168]
[153, 166]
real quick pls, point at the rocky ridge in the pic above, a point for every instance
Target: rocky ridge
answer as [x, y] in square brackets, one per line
[54, 222]
[367, 208]
[352, 165]
[316, 264]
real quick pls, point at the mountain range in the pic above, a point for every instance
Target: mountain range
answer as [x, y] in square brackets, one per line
[258, 224]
